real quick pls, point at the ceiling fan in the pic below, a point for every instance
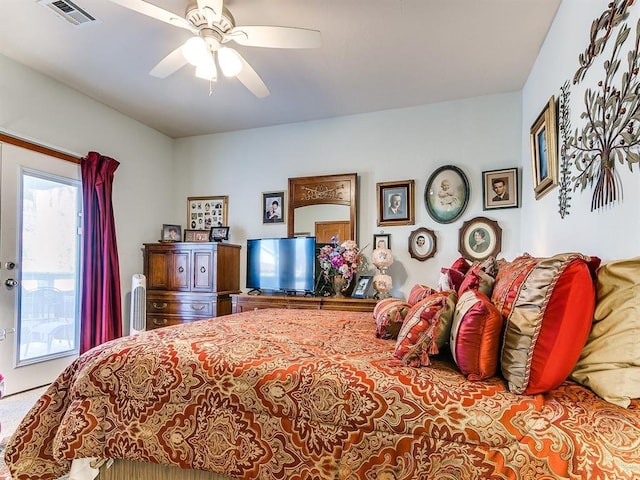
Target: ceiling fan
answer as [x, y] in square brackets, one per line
[213, 27]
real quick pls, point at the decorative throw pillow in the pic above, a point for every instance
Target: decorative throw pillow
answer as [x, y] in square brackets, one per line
[450, 279]
[426, 328]
[419, 292]
[475, 335]
[610, 361]
[548, 305]
[389, 314]
[480, 276]
[461, 265]
[477, 279]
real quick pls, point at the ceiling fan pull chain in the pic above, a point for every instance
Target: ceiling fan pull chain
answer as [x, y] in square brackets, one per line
[210, 87]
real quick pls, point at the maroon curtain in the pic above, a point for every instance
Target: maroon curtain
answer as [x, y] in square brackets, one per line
[100, 312]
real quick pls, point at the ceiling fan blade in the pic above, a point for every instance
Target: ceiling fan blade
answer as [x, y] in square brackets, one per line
[169, 64]
[274, 37]
[251, 79]
[152, 11]
[211, 9]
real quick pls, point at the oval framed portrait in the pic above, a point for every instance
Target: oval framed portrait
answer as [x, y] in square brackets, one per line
[480, 238]
[446, 194]
[422, 244]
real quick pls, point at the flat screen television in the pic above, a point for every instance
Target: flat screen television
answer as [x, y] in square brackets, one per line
[281, 264]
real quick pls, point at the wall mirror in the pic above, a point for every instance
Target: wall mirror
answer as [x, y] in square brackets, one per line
[323, 206]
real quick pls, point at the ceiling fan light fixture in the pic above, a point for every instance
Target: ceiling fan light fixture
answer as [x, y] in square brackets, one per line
[229, 62]
[207, 70]
[195, 51]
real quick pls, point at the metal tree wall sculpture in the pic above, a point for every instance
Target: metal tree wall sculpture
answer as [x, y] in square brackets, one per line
[564, 126]
[602, 26]
[611, 133]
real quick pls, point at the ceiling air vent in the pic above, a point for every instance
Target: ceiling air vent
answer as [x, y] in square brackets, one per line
[68, 10]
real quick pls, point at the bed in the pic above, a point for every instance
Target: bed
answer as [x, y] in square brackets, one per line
[311, 394]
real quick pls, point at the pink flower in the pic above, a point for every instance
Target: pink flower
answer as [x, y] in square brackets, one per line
[340, 259]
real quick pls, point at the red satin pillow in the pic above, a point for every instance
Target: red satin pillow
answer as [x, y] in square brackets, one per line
[475, 335]
[450, 279]
[548, 305]
[461, 265]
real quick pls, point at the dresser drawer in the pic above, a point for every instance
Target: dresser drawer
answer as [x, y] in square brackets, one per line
[159, 321]
[196, 307]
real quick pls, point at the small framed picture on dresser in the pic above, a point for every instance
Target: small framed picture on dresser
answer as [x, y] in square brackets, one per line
[171, 233]
[196, 235]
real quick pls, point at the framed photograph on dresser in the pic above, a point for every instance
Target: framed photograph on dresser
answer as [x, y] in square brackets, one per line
[364, 287]
[196, 235]
[206, 212]
[171, 233]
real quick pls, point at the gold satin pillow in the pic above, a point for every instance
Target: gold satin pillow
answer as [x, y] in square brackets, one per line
[610, 361]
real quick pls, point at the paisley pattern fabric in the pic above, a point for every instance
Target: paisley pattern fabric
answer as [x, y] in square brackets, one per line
[306, 394]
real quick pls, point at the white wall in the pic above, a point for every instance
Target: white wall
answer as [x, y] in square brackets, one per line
[611, 233]
[475, 134]
[157, 174]
[36, 108]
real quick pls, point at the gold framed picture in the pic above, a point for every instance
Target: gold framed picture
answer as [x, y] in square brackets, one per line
[544, 150]
[206, 212]
[395, 203]
[500, 189]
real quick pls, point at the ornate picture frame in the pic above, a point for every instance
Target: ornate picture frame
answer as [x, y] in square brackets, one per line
[273, 207]
[544, 150]
[423, 244]
[396, 202]
[500, 189]
[446, 194]
[196, 235]
[480, 238]
[381, 240]
[206, 212]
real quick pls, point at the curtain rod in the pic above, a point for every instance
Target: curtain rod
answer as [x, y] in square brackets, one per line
[38, 148]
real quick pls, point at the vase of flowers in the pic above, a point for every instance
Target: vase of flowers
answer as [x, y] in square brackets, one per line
[339, 262]
[339, 284]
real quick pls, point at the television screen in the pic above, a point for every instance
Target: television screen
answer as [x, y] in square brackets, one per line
[281, 264]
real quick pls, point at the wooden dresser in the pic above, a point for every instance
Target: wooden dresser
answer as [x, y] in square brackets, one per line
[189, 281]
[244, 303]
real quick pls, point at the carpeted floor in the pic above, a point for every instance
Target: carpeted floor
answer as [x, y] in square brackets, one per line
[14, 407]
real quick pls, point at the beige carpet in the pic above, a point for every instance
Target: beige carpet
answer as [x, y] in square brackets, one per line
[14, 407]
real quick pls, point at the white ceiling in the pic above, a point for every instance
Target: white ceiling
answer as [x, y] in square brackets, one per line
[375, 55]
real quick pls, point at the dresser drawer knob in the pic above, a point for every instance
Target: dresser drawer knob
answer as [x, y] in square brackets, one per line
[159, 322]
[181, 269]
[159, 306]
[203, 270]
[198, 306]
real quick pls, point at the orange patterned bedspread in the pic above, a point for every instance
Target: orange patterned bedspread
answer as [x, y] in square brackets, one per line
[306, 394]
